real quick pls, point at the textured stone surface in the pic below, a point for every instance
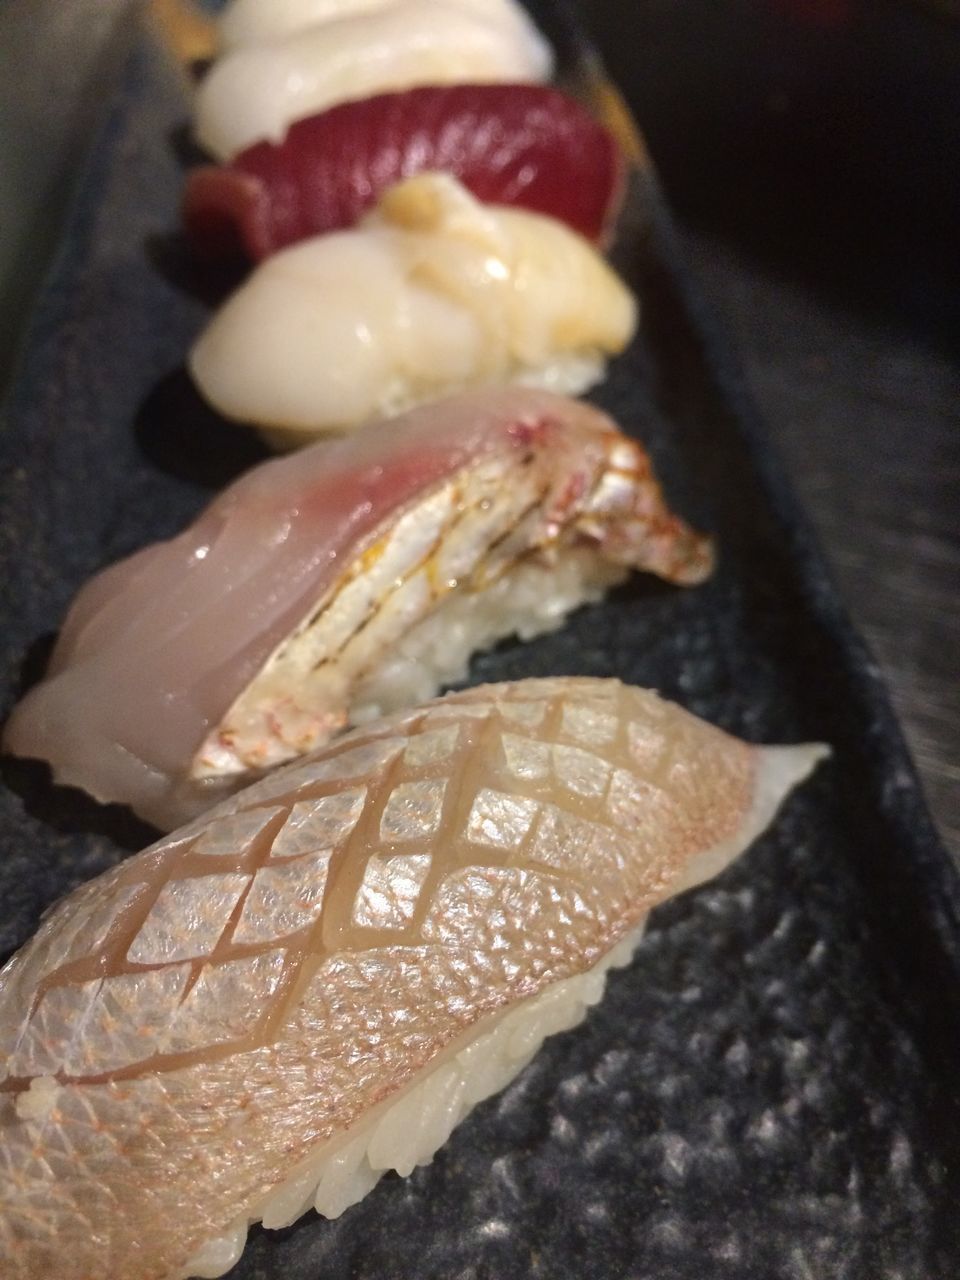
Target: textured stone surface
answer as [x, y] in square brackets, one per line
[767, 1094]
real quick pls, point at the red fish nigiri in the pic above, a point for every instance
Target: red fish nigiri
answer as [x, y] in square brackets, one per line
[515, 144]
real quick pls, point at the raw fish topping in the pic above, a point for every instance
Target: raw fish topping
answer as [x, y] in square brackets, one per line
[523, 145]
[184, 1030]
[253, 636]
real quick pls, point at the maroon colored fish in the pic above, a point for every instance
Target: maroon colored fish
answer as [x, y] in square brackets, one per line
[509, 144]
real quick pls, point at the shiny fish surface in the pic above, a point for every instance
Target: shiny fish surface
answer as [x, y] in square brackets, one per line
[307, 589]
[515, 144]
[193, 1024]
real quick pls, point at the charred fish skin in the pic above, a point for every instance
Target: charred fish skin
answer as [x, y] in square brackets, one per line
[347, 581]
[184, 1030]
[553, 493]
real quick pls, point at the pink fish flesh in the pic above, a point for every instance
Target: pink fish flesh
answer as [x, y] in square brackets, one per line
[188, 669]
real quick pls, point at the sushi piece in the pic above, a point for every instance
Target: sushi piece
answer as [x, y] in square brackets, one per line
[257, 22]
[431, 293]
[255, 93]
[338, 583]
[315, 982]
[524, 145]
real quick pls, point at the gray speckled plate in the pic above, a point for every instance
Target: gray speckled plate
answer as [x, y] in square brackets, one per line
[768, 1092]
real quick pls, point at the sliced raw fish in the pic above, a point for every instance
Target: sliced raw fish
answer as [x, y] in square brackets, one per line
[339, 582]
[316, 981]
[516, 144]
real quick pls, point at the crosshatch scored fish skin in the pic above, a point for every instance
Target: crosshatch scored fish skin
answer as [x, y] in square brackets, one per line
[185, 1030]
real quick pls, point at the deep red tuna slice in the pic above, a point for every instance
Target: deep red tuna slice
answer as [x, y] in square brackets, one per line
[517, 144]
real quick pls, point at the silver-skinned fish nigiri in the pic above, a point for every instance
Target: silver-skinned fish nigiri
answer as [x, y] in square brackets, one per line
[328, 586]
[316, 981]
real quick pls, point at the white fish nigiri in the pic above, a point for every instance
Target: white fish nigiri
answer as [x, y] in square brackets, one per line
[256, 92]
[431, 293]
[314, 983]
[339, 582]
[255, 22]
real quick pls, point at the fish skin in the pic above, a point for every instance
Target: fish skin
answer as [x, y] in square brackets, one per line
[527, 145]
[548, 816]
[159, 650]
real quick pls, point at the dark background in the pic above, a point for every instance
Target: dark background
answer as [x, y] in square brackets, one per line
[811, 152]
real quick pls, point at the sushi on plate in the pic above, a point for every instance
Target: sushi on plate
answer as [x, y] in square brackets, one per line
[337, 583]
[431, 293]
[515, 144]
[256, 92]
[316, 981]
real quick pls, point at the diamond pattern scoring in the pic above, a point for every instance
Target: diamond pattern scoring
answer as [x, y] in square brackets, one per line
[324, 934]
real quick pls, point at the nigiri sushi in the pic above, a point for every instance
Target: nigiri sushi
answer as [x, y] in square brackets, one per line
[257, 22]
[515, 144]
[431, 293]
[316, 981]
[338, 583]
[256, 92]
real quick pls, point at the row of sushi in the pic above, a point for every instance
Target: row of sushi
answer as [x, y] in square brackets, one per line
[359, 577]
[417, 235]
[312, 981]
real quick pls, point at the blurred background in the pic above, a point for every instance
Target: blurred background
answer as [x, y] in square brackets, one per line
[810, 150]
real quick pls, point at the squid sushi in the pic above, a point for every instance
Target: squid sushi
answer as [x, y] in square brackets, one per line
[338, 583]
[256, 22]
[315, 982]
[524, 145]
[431, 293]
[256, 92]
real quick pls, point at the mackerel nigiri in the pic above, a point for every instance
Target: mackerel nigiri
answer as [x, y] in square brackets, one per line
[314, 983]
[431, 293]
[256, 92]
[513, 144]
[333, 584]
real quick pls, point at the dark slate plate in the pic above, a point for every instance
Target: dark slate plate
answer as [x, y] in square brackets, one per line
[769, 1092]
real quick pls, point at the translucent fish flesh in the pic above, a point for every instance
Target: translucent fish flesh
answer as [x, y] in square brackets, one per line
[313, 983]
[523, 145]
[256, 92]
[333, 584]
[431, 293]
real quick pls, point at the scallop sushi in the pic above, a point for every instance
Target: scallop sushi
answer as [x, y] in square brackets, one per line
[431, 293]
[335, 584]
[257, 91]
[524, 145]
[315, 982]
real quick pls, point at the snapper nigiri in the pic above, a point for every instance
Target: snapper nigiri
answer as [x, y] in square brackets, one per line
[515, 144]
[314, 983]
[432, 292]
[256, 92]
[336, 583]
